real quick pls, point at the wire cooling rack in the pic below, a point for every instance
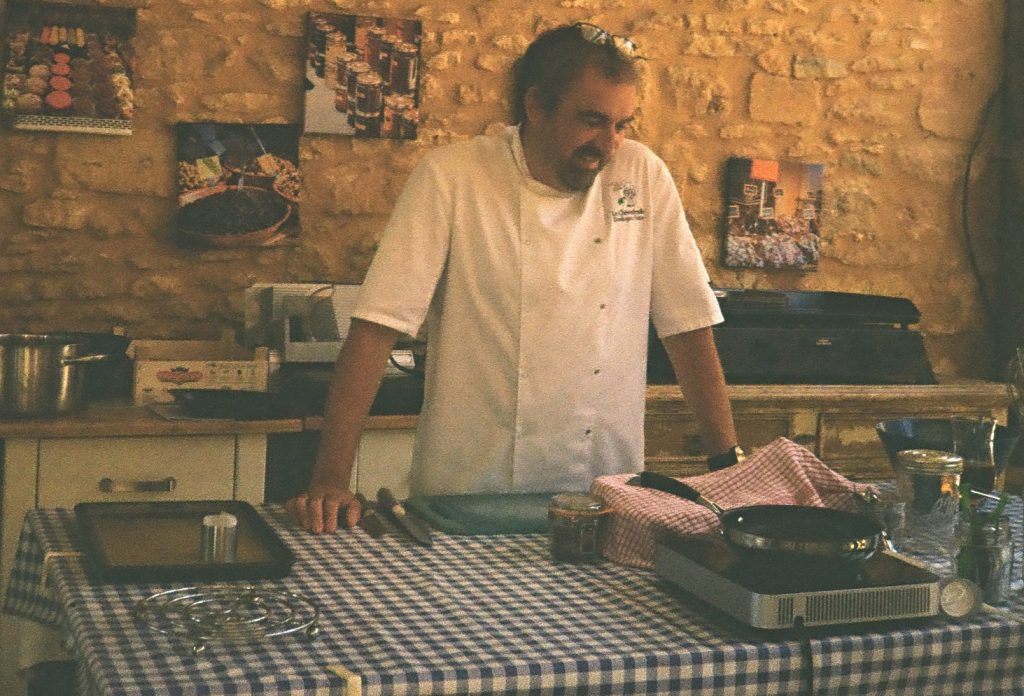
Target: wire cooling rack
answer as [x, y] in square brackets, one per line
[228, 613]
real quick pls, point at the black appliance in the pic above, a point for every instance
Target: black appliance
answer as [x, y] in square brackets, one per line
[811, 337]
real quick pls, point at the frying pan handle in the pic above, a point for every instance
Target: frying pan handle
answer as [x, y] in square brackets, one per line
[660, 482]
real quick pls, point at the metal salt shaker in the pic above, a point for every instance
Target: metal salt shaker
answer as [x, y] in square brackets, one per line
[220, 538]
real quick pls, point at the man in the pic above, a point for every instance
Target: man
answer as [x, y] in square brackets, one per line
[533, 258]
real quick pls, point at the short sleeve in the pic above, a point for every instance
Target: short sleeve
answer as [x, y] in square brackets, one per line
[400, 283]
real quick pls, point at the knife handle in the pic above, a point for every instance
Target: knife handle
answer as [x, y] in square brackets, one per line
[364, 504]
[387, 499]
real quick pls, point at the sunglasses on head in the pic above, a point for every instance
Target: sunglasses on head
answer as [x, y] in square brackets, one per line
[596, 35]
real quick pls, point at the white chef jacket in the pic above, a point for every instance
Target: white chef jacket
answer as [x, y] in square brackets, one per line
[535, 304]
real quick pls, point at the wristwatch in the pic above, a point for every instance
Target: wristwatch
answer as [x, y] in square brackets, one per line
[733, 455]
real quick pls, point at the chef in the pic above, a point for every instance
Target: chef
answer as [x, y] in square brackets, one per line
[531, 259]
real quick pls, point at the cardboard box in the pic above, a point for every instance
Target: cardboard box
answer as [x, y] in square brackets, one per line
[164, 365]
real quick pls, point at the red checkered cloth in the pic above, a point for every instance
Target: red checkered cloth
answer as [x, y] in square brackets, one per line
[782, 473]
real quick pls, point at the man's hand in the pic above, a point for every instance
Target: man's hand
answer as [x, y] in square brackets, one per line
[318, 510]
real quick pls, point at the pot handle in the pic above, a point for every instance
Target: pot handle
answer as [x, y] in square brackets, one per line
[84, 359]
[667, 484]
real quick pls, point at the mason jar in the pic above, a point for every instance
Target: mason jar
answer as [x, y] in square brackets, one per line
[928, 482]
[576, 524]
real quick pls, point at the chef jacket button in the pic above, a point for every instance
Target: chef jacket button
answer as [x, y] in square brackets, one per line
[588, 431]
[597, 370]
[597, 240]
[602, 305]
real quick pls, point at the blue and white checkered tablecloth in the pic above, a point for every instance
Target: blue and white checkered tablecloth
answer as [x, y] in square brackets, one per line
[489, 615]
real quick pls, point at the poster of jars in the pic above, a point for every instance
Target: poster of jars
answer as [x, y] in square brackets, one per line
[68, 68]
[362, 76]
[773, 213]
[238, 185]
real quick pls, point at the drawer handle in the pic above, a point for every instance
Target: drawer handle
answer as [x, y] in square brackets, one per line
[109, 485]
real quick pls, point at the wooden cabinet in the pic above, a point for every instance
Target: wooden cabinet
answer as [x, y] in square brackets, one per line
[60, 472]
[115, 455]
[135, 469]
[836, 422]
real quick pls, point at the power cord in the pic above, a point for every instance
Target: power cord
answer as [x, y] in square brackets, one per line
[806, 656]
[965, 203]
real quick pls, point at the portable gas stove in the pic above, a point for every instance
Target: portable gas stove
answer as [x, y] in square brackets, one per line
[783, 594]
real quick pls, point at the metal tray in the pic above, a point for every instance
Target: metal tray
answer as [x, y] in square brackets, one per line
[161, 542]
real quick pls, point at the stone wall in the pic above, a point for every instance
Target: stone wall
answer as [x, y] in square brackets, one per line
[888, 94]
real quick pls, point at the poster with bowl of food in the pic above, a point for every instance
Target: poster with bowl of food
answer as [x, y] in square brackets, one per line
[239, 185]
[68, 68]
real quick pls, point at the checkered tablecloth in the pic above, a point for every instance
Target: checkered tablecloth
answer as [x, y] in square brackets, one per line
[489, 615]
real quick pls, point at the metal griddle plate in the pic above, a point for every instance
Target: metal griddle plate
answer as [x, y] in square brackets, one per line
[161, 542]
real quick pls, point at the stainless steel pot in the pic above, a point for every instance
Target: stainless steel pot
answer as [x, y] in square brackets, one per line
[41, 375]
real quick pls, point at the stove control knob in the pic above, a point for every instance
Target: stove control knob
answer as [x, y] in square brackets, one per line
[959, 597]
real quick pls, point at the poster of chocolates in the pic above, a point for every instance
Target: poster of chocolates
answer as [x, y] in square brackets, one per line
[362, 76]
[68, 68]
[773, 213]
[238, 185]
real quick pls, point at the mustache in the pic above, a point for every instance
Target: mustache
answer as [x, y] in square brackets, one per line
[589, 151]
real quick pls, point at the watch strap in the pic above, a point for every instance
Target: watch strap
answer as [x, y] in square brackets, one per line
[733, 455]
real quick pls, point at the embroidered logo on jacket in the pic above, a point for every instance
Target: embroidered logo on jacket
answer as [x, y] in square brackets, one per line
[624, 202]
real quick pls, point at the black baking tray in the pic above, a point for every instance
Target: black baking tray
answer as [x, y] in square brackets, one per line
[161, 542]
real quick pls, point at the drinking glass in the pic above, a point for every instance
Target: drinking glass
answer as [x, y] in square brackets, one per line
[985, 555]
[973, 440]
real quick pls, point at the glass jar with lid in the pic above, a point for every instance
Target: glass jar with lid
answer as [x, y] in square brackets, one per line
[928, 481]
[576, 527]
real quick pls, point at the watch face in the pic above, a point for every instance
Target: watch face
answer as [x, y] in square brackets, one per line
[959, 597]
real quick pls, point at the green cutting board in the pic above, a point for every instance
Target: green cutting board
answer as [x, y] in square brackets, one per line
[484, 513]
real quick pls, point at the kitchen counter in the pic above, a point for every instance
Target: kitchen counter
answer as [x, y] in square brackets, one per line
[966, 392]
[483, 615]
[124, 419]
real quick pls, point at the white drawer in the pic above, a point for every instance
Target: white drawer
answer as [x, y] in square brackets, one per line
[76, 470]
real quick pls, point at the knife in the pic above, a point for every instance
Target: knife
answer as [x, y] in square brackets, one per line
[370, 521]
[414, 527]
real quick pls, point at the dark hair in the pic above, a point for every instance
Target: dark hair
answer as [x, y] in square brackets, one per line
[556, 59]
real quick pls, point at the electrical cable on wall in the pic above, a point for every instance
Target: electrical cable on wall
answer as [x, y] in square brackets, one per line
[972, 259]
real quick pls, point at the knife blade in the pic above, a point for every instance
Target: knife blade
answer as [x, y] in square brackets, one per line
[413, 526]
[370, 521]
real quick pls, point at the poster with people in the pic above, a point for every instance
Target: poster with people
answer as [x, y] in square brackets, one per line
[362, 76]
[773, 213]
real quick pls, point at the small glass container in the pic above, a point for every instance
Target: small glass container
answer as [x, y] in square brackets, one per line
[928, 481]
[985, 556]
[891, 513]
[576, 527]
[220, 538]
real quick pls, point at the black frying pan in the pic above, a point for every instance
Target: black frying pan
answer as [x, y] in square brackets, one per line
[799, 530]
